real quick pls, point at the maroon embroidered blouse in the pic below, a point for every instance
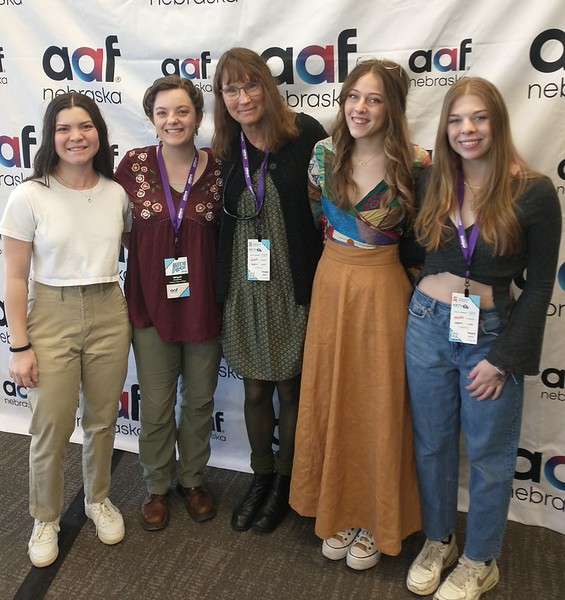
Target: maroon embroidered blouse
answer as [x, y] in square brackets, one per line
[193, 319]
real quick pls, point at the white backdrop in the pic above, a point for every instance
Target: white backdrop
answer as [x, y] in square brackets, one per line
[112, 50]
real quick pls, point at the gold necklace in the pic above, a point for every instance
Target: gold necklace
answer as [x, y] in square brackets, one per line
[364, 163]
[472, 188]
[81, 190]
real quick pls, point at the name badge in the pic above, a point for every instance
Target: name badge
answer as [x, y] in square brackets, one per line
[258, 260]
[464, 318]
[176, 277]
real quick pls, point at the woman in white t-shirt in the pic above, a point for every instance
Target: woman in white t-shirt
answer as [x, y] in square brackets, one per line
[61, 232]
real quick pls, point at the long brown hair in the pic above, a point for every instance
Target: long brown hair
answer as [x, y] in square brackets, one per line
[397, 148]
[495, 203]
[279, 122]
[46, 158]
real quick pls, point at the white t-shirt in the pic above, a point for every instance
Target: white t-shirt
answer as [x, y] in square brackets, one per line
[75, 234]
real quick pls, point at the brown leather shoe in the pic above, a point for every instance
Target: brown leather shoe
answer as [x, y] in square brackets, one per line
[199, 502]
[155, 512]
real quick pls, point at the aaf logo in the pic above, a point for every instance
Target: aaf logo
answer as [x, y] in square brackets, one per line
[554, 379]
[15, 151]
[537, 466]
[88, 64]
[15, 395]
[11, 2]
[14, 391]
[3, 78]
[547, 55]
[129, 403]
[538, 57]
[188, 68]
[561, 277]
[327, 55]
[441, 59]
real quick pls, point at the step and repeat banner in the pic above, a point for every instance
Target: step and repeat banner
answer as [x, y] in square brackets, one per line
[111, 50]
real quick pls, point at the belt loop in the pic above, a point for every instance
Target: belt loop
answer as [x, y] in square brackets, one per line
[62, 293]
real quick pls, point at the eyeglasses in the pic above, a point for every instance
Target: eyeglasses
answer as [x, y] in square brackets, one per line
[251, 89]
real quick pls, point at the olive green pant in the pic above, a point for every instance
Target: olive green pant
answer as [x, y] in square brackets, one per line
[81, 337]
[159, 366]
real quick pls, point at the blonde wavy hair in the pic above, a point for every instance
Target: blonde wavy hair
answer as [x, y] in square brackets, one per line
[397, 147]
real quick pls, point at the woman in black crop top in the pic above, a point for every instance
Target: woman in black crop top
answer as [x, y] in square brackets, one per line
[485, 218]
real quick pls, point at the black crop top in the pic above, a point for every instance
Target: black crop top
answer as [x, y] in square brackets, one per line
[518, 347]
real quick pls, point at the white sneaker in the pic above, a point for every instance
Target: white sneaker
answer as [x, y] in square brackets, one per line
[108, 520]
[363, 552]
[336, 547]
[468, 581]
[43, 546]
[425, 572]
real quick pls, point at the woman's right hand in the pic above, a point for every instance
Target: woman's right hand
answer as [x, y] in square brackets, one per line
[23, 368]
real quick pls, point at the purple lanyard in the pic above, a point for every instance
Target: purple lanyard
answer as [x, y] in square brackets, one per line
[174, 214]
[467, 246]
[260, 195]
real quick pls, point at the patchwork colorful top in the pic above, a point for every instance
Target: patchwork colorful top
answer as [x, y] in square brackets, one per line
[373, 221]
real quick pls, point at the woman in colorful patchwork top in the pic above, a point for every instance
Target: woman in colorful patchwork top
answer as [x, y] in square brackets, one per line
[175, 192]
[354, 469]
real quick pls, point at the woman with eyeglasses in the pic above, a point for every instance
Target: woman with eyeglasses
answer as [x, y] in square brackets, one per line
[354, 468]
[269, 248]
[175, 191]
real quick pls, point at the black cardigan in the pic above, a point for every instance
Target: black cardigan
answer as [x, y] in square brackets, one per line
[288, 168]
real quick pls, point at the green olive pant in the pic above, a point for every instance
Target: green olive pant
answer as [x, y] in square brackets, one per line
[81, 336]
[159, 366]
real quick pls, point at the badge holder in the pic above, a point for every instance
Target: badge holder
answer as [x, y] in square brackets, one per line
[176, 277]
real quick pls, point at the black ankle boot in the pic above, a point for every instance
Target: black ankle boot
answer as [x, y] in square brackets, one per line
[275, 507]
[245, 512]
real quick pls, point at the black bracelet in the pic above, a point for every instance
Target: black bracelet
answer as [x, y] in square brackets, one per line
[21, 348]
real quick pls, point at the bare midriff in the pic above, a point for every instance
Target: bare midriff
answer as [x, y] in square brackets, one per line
[442, 285]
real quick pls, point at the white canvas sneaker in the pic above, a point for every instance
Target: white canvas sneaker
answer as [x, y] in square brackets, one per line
[425, 572]
[363, 552]
[43, 546]
[468, 581]
[336, 547]
[108, 520]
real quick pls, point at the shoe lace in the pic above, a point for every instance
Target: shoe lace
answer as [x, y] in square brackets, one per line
[464, 572]
[431, 554]
[365, 539]
[106, 511]
[45, 529]
[343, 534]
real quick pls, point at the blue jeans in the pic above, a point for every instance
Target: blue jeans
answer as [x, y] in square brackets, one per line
[441, 407]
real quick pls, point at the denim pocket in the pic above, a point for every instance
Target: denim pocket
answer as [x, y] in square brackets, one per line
[491, 324]
[417, 310]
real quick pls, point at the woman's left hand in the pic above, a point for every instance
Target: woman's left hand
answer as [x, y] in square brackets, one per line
[486, 381]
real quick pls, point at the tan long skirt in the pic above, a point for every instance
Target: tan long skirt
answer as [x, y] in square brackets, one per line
[354, 463]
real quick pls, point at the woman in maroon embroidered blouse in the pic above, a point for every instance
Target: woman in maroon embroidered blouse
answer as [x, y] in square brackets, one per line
[175, 194]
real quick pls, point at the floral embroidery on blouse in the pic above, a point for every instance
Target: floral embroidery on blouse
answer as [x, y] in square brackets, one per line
[148, 181]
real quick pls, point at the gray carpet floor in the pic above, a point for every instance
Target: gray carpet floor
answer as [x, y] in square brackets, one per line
[209, 561]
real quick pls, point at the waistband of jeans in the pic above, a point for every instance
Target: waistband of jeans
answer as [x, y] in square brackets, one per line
[442, 307]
